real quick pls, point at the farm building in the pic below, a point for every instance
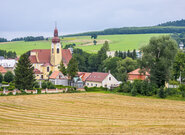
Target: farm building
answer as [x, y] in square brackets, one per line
[46, 60]
[57, 78]
[137, 75]
[98, 79]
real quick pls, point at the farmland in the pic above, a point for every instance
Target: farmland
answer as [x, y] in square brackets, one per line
[90, 113]
[116, 42]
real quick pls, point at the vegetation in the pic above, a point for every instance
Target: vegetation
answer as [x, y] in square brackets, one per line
[158, 58]
[174, 23]
[62, 68]
[116, 42]
[3, 40]
[8, 54]
[72, 68]
[24, 74]
[1, 77]
[8, 77]
[29, 38]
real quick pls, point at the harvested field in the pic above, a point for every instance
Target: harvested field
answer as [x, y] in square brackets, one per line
[90, 113]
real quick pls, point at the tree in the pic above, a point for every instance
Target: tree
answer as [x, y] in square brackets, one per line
[111, 64]
[93, 63]
[134, 55]
[179, 65]
[125, 66]
[24, 74]
[158, 57]
[95, 42]
[62, 68]
[72, 68]
[8, 77]
[102, 55]
[1, 78]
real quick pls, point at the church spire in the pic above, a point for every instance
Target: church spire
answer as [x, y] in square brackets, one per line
[56, 39]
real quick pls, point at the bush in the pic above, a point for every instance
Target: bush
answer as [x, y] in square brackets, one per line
[8, 77]
[36, 85]
[50, 85]
[161, 93]
[10, 93]
[182, 89]
[1, 78]
[134, 91]
[5, 83]
[44, 85]
[86, 88]
[172, 91]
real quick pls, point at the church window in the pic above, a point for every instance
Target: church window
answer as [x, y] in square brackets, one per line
[57, 50]
[52, 50]
[47, 69]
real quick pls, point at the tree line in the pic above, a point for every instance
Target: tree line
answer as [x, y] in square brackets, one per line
[3, 40]
[29, 38]
[8, 54]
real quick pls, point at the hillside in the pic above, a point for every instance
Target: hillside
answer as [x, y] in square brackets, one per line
[174, 23]
[116, 42]
[90, 113]
[168, 27]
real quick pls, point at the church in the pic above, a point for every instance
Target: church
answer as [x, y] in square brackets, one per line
[46, 60]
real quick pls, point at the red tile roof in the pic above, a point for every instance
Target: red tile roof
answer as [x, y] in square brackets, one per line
[136, 75]
[36, 71]
[33, 59]
[136, 72]
[2, 70]
[97, 77]
[45, 54]
[55, 74]
[66, 56]
[83, 75]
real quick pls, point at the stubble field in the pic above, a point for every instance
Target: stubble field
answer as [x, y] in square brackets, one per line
[90, 113]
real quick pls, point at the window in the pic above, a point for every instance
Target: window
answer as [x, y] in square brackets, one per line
[91, 84]
[87, 84]
[41, 76]
[47, 69]
[109, 78]
[96, 85]
[58, 50]
[52, 50]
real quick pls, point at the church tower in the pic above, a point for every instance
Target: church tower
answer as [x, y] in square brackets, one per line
[56, 49]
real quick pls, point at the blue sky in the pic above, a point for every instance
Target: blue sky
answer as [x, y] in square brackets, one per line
[34, 17]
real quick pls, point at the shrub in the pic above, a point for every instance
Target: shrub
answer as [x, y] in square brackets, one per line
[5, 83]
[44, 85]
[50, 85]
[182, 89]
[10, 93]
[86, 88]
[172, 91]
[1, 78]
[36, 85]
[8, 77]
[161, 93]
[134, 91]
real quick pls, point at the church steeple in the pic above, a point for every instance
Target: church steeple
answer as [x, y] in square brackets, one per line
[56, 50]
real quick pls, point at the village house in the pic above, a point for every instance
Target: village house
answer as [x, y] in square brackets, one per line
[137, 75]
[8, 64]
[48, 60]
[57, 78]
[98, 79]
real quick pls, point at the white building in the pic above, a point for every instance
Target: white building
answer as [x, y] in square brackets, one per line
[57, 78]
[8, 64]
[98, 79]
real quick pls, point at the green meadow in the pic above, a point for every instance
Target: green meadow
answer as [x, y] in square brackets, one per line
[116, 42]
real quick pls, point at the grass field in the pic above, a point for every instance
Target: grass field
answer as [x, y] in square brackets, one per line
[90, 113]
[116, 42]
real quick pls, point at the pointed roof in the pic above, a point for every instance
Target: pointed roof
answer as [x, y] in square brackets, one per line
[136, 72]
[55, 74]
[97, 76]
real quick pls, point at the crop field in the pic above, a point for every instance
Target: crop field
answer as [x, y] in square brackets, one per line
[90, 113]
[116, 42]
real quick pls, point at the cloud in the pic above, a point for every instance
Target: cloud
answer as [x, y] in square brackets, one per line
[83, 15]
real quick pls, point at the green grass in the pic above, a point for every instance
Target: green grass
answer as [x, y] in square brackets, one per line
[116, 42]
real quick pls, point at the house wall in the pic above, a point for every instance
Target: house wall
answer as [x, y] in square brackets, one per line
[112, 82]
[63, 82]
[139, 77]
[93, 84]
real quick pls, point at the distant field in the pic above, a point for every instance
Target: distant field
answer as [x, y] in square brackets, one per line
[116, 42]
[90, 113]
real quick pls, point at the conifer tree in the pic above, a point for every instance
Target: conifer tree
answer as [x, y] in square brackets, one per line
[62, 68]
[72, 68]
[24, 73]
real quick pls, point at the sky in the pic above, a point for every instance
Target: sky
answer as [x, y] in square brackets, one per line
[37, 17]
